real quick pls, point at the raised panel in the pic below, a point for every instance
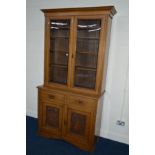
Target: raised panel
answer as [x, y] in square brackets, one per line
[78, 124]
[52, 118]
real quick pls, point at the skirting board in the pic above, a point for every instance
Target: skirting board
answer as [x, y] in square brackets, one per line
[115, 136]
[31, 113]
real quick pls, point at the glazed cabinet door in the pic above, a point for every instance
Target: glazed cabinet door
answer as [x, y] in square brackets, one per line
[58, 49]
[86, 54]
[52, 119]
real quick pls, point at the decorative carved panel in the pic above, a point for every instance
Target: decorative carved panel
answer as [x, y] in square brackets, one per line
[78, 123]
[52, 117]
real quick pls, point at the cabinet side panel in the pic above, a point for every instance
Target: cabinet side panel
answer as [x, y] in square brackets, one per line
[106, 53]
[46, 51]
[100, 102]
[98, 116]
[39, 110]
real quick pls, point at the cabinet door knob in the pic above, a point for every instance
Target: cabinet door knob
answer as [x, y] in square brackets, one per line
[66, 54]
[80, 102]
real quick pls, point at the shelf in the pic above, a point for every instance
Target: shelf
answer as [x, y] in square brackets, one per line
[61, 37]
[89, 28]
[91, 53]
[85, 68]
[58, 51]
[91, 38]
[59, 65]
[59, 28]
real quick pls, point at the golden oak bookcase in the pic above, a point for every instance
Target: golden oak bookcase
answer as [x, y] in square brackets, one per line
[76, 54]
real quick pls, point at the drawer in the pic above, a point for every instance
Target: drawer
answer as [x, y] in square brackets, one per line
[83, 104]
[52, 97]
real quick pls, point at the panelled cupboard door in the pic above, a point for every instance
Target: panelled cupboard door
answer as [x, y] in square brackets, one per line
[59, 48]
[78, 127]
[52, 118]
[88, 34]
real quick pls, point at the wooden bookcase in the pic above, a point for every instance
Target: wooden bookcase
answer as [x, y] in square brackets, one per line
[76, 54]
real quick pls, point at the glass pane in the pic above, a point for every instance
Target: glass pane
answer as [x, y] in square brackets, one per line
[88, 34]
[59, 48]
[58, 74]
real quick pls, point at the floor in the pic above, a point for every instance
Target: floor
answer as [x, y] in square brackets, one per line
[37, 145]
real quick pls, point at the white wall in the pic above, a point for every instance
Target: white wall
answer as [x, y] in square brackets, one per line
[116, 96]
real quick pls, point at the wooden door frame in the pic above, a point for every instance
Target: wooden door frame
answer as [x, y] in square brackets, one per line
[60, 107]
[99, 69]
[72, 54]
[47, 48]
[71, 137]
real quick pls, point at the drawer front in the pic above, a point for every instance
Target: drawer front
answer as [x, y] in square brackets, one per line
[52, 97]
[85, 104]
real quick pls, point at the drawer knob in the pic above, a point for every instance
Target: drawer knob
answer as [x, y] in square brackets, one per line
[51, 96]
[80, 102]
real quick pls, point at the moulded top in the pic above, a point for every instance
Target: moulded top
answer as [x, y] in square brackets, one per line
[110, 9]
